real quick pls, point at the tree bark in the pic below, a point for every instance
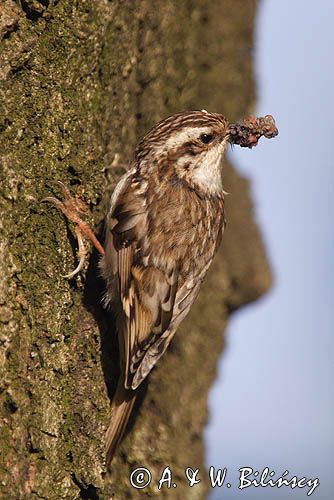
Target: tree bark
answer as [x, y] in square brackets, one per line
[81, 81]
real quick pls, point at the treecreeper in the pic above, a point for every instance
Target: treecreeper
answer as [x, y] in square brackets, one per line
[163, 227]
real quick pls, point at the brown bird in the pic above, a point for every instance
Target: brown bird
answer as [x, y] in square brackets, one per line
[163, 228]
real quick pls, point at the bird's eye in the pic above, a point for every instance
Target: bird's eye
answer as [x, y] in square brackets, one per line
[206, 138]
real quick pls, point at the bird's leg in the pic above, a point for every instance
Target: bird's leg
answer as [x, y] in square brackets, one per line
[71, 208]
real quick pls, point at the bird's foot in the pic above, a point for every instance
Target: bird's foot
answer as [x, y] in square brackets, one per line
[72, 208]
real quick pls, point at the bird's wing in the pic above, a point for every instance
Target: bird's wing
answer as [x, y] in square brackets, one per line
[184, 299]
[145, 293]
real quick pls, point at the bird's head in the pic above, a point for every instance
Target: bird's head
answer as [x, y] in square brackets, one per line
[191, 144]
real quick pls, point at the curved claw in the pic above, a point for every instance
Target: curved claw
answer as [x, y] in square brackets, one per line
[54, 201]
[71, 208]
[82, 254]
[64, 188]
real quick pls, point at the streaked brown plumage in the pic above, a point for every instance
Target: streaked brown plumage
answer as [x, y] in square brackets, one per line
[163, 227]
[165, 221]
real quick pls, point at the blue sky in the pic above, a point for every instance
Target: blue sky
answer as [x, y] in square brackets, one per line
[273, 404]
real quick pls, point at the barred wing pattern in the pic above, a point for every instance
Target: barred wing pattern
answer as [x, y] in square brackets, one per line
[151, 291]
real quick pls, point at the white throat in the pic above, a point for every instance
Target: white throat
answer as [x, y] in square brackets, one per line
[207, 173]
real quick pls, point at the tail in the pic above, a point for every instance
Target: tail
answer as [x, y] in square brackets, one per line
[121, 408]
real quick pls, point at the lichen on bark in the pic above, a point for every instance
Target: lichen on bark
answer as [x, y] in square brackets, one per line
[80, 82]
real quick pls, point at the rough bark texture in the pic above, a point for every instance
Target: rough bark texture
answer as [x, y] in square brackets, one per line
[81, 81]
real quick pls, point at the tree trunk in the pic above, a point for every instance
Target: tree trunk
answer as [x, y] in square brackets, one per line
[81, 81]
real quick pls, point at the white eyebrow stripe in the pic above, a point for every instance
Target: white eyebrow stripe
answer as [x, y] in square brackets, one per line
[185, 135]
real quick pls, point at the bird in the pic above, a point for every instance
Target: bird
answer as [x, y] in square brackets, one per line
[164, 225]
[165, 221]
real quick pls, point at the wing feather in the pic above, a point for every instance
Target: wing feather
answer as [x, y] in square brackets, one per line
[152, 294]
[146, 293]
[183, 301]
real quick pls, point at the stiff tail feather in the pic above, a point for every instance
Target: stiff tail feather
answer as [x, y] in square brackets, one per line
[121, 408]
